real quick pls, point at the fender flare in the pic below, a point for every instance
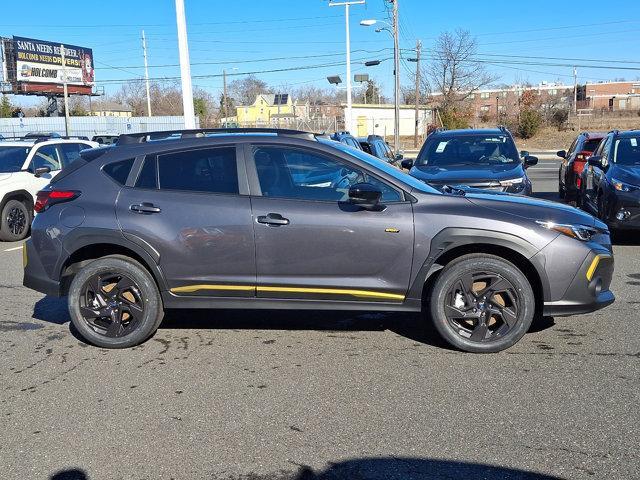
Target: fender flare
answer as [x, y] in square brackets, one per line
[454, 237]
[9, 195]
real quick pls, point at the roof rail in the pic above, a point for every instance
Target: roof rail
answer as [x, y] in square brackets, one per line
[63, 137]
[132, 138]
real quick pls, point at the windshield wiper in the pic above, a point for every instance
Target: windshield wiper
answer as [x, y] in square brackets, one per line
[453, 190]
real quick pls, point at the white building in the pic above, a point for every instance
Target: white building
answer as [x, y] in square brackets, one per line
[378, 119]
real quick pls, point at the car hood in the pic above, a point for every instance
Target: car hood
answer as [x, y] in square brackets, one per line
[465, 174]
[627, 174]
[533, 208]
[5, 176]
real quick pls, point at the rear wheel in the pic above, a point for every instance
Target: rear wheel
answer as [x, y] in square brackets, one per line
[114, 302]
[15, 223]
[482, 303]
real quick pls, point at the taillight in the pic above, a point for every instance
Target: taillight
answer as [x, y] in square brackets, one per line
[46, 198]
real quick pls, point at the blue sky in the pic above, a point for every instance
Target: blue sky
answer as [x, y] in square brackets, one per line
[243, 33]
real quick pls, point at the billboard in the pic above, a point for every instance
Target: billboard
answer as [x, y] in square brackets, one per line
[39, 61]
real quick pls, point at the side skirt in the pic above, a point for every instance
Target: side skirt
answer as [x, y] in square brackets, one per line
[171, 300]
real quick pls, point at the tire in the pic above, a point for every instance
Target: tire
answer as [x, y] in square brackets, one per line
[114, 302]
[579, 198]
[499, 320]
[562, 193]
[16, 221]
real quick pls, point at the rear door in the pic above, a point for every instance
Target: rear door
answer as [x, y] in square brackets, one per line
[46, 155]
[192, 206]
[311, 243]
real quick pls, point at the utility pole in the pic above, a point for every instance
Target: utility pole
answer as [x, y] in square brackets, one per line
[347, 4]
[396, 73]
[65, 92]
[146, 73]
[575, 91]
[185, 67]
[224, 97]
[417, 94]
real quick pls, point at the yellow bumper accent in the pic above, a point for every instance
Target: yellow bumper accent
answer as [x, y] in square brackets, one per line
[25, 259]
[594, 265]
[328, 291]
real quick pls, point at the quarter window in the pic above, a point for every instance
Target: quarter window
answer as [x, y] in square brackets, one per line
[119, 171]
[207, 170]
[305, 175]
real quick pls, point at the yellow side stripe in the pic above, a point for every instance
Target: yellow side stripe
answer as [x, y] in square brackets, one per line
[334, 291]
[195, 288]
[594, 265]
[329, 291]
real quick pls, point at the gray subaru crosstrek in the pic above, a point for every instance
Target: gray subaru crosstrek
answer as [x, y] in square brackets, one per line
[277, 219]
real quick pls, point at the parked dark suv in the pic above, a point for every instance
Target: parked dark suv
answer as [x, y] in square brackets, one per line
[610, 183]
[482, 158]
[347, 139]
[277, 219]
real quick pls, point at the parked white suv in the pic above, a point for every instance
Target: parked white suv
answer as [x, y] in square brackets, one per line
[26, 166]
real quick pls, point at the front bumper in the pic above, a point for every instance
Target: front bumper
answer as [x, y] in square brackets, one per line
[35, 275]
[589, 290]
[627, 203]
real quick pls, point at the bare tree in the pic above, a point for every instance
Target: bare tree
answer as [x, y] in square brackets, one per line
[454, 73]
[245, 90]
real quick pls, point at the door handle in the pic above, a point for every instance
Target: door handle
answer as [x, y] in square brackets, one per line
[144, 207]
[274, 219]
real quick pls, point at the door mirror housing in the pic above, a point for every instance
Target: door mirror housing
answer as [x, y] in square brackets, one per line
[365, 195]
[399, 156]
[562, 153]
[407, 164]
[524, 153]
[530, 161]
[38, 172]
[595, 161]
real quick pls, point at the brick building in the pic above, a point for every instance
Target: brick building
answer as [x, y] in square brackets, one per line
[612, 96]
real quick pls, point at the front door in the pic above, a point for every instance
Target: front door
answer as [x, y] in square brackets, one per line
[191, 207]
[312, 244]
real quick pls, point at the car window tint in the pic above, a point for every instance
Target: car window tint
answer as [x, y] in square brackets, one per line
[148, 176]
[119, 171]
[306, 175]
[627, 151]
[71, 151]
[46, 156]
[207, 170]
[591, 145]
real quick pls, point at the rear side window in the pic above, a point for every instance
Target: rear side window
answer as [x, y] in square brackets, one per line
[119, 171]
[591, 145]
[211, 170]
[148, 176]
[71, 152]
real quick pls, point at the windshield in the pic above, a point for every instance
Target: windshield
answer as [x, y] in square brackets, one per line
[12, 158]
[381, 165]
[627, 151]
[591, 145]
[469, 150]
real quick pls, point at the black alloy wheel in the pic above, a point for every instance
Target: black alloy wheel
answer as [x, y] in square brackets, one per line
[482, 306]
[111, 304]
[16, 221]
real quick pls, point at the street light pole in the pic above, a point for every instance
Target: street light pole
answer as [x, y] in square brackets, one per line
[347, 111]
[417, 93]
[146, 72]
[185, 67]
[396, 73]
[224, 97]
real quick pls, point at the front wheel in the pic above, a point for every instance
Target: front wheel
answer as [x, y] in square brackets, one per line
[15, 222]
[481, 303]
[114, 302]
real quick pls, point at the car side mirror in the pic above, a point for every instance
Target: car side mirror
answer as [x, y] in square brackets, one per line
[365, 195]
[562, 153]
[595, 161]
[407, 164]
[38, 172]
[524, 153]
[399, 156]
[530, 161]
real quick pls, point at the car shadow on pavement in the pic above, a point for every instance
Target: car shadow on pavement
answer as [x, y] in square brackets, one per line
[387, 468]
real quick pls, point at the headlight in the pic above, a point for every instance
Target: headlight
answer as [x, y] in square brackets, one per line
[513, 181]
[579, 232]
[623, 187]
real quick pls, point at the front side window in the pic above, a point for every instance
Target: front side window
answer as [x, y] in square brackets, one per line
[12, 158]
[305, 175]
[211, 170]
[46, 156]
[627, 151]
[469, 150]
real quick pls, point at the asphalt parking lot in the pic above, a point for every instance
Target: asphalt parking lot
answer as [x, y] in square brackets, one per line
[284, 395]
